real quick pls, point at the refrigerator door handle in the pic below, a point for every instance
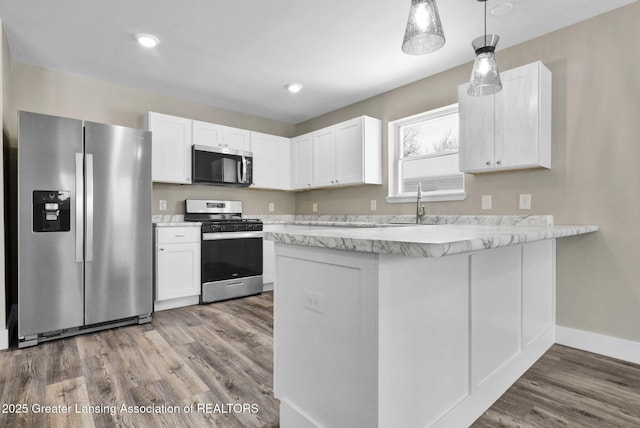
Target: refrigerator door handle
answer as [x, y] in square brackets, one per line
[89, 211]
[79, 208]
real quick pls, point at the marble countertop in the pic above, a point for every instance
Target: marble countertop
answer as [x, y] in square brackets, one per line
[426, 240]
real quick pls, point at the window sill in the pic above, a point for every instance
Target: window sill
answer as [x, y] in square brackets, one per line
[440, 196]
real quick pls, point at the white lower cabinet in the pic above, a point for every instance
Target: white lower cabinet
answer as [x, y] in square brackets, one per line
[177, 267]
[268, 264]
[380, 340]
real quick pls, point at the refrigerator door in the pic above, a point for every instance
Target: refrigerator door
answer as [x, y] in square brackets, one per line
[50, 293]
[118, 267]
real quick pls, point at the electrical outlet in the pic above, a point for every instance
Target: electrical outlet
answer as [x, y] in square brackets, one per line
[272, 207]
[162, 205]
[314, 301]
[373, 205]
[525, 202]
[486, 202]
[314, 207]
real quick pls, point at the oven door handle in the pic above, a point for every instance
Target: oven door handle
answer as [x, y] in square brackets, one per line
[215, 236]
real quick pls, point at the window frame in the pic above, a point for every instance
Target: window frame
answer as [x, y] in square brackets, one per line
[394, 171]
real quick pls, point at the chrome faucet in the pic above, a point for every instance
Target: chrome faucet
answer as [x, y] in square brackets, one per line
[420, 211]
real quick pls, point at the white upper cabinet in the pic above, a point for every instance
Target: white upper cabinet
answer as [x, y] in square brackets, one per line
[271, 161]
[324, 157]
[302, 161]
[237, 139]
[171, 143]
[214, 135]
[208, 134]
[348, 153]
[511, 129]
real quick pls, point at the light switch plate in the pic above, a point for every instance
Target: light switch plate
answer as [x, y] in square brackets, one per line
[315, 207]
[486, 202]
[373, 205]
[272, 207]
[162, 205]
[525, 202]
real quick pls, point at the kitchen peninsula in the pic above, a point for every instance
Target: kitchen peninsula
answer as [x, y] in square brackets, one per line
[408, 325]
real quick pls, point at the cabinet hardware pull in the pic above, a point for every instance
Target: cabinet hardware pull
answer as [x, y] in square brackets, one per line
[499, 162]
[488, 163]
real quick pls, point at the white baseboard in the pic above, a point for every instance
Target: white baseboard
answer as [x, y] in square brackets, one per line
[162, 305]
[613, 347]
[4, 339]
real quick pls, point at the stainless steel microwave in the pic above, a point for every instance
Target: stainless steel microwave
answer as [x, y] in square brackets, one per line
[221, 166]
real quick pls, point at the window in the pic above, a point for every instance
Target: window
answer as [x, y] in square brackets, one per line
[424, 149]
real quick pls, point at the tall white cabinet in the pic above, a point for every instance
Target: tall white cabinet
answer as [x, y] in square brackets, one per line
[511, 129]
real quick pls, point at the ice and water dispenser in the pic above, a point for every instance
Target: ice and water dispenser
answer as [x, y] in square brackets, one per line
[51, 211]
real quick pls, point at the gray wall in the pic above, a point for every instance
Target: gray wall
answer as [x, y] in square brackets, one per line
[595, 173]
[593, 180]
[65, 94]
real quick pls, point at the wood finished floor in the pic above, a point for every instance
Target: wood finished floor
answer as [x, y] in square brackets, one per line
[223, 353]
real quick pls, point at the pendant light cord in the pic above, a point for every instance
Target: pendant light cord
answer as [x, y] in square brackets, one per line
[485, 22]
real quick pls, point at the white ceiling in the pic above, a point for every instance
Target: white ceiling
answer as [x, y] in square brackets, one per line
[239, 54]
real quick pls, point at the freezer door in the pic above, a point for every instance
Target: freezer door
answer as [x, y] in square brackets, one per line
[50, 294]
[118, 267]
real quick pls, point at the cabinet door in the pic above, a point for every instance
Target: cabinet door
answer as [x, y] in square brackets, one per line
[538, 289]
[284, 163]
[476, 119]
[268, 261]
[171, 153]
[324, 157]
[237, 139]
[516, 124]
[207, 134]
[496, 314]
[178, 271]
[271, 161]
[265, 160]
[302, 153]
[349, 152]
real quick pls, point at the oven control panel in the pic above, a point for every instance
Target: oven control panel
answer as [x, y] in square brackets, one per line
[231, 227]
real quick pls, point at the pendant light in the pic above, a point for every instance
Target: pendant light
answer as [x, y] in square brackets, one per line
[424, 30]
[485, 77]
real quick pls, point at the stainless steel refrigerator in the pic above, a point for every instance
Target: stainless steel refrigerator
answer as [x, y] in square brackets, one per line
[84, 227]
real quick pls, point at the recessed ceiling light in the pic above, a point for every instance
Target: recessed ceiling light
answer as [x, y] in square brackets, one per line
[294, 87]
[147, 40]
[501, 9]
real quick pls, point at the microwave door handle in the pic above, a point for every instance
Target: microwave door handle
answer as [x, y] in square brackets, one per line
[243, 178]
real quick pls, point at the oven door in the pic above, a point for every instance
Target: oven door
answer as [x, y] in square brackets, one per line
[231, 265]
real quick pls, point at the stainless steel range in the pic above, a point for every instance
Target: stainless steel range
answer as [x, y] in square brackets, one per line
[231, 264]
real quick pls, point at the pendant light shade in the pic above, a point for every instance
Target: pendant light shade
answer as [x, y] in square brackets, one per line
[485, 77]
[424, 30]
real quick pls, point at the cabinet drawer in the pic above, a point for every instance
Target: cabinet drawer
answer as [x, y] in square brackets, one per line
[177, 235]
